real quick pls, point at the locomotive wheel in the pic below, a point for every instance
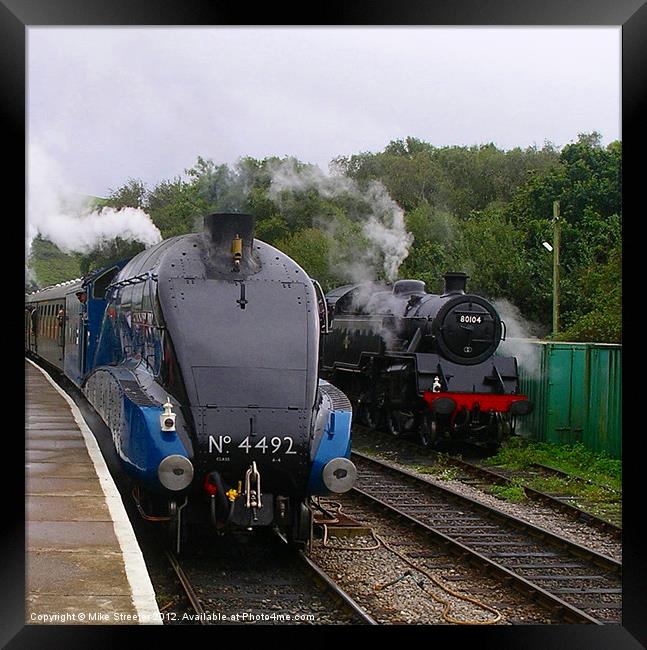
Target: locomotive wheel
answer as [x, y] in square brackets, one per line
[503, 427]
[428, 430]
[372, 410]
[394, 423]
[372, 416]
[400, 422]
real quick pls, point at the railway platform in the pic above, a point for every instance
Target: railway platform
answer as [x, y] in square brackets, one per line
[83, 563]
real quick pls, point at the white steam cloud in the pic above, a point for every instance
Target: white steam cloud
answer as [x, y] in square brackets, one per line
[58, 213]
[521, 335]
[382, 222]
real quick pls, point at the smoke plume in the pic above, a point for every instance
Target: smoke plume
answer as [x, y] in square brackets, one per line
[382, 219]
[65, 217]
[521, 337]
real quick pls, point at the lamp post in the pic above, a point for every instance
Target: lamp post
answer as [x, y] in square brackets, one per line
[555, 250]
[556, 238]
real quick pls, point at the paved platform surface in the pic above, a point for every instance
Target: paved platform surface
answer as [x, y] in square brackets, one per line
[83, 563]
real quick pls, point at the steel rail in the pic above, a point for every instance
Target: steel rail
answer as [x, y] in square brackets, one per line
[323, 578]
[319, 576]
[537, 495]
[494, 477]
[548, 469]
[554, 604]
[187, 587]
[568, 610]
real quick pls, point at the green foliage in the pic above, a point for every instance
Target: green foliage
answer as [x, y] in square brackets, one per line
[594, 479]
[131, 194]
[50, 265]
[587, 184]
[446, 473]
[456, 179]
[310, 248]
[272, 230]
[476, 209]
[599, 317]
[176, 207]
[109, 252]
[520, 453]
[513, 493]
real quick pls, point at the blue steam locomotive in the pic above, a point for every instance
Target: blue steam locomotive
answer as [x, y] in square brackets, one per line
[201, 356]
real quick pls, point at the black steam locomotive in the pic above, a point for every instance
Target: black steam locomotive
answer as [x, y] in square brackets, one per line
[423, 364]
[201, 355]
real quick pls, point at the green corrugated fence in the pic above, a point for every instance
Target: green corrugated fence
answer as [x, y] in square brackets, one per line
[576, 389]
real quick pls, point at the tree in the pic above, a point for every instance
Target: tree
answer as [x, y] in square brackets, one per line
[176, 207]
[587, 185]
[109, 252]
[601, 319]
[478, 209]
[50, 265]
[310, 248]
[132, 194]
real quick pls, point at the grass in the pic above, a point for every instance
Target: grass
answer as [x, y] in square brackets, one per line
[446, 473]
[576, 459]
[518, 454]
[513, 493]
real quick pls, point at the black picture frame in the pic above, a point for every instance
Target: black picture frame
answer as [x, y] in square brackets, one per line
[18, 15]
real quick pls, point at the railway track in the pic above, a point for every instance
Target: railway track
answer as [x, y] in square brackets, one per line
[577, 583]
[481, 477]
[259, 580]
[547, 469]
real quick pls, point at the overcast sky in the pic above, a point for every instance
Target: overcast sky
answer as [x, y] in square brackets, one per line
[111, 103]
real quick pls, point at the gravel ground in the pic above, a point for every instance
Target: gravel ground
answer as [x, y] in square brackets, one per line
[255, 579]
[366, 574]
[536, 514]
[243, 579]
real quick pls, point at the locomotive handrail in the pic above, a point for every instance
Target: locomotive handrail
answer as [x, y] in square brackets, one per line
[136, 279]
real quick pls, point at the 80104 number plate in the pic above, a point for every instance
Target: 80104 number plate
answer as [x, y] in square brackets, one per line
[469, 319]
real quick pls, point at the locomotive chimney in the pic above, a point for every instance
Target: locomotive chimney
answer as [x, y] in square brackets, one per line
[230, 236]
[455, 283]
[222, 228]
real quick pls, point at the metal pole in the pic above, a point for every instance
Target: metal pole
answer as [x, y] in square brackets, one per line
[556, 238]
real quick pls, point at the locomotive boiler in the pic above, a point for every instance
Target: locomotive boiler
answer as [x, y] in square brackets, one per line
[424, 364]
[201, 356]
